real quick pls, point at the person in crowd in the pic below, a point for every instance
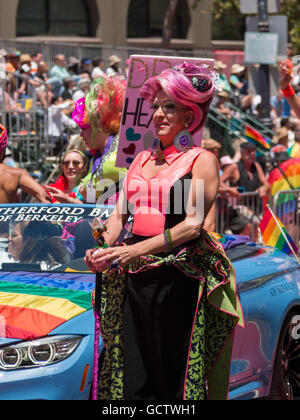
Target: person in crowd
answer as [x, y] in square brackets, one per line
[26, 82]
[13, 179]
[222, 98]
[279, 107]
[287, 89]
[13, 62]
[25, 59]
[99, 68]
[244, 176]
[59, 70]
[38, 243]
[41, 74]
[247, 173]
[114, 68]
[69, 88]
[281, 137]
[84, 86]
[86, 67]
[161, 352]
[73, 66]
[58, 119]
[212, 146]
[223, 82]
[240, 86]
[73, 168]
[36, 59]
[99, 117]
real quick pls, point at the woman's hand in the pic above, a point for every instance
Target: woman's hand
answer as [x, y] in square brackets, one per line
[89, 261]
[103, 259]
[59, 195]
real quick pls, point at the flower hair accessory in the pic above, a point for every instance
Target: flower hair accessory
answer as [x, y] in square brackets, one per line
[80, 115]
[3, 138]
[202, 78]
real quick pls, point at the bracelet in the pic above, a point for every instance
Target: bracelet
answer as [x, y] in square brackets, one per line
[288, 92]
[168, 240]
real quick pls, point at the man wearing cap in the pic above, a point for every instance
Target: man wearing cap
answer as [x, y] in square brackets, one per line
[11, 179]
[114, 66]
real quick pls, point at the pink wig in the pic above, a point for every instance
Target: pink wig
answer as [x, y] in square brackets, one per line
[186, 85]
[3, 138]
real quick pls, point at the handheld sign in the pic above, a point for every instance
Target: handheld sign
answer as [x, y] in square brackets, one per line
[137, 131]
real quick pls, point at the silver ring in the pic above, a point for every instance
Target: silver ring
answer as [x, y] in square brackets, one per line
[115, 264]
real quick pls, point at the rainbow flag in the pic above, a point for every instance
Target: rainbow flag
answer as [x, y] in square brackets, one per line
[273, 234]
[286, 203]
[294, 151]
[254, 137]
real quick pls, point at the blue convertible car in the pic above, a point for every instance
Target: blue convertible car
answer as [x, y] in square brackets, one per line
[47, 321]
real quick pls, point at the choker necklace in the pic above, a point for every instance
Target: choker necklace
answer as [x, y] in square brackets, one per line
[182, 142]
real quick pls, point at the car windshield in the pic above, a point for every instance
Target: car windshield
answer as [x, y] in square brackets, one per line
[47, 238]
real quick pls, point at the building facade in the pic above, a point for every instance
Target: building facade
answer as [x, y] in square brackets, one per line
[116, 23]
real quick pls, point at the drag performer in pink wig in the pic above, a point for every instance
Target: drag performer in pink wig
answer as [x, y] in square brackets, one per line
[168, 306]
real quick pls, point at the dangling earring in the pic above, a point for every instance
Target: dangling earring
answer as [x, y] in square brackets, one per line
[184, 141]
[156, 150]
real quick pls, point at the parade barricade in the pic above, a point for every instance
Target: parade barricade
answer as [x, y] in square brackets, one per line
[239, 215]
[28, 140]
[286, 205]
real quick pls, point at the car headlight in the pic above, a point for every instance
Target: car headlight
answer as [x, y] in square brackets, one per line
[42, 352]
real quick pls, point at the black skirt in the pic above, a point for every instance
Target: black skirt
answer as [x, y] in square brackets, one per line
[159, 310]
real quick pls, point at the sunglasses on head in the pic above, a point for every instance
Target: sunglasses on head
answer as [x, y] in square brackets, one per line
[75, 163]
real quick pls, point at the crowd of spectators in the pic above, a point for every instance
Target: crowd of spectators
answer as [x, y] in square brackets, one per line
[31, 82]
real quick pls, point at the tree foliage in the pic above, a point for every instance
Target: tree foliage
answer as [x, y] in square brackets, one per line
[290, 8]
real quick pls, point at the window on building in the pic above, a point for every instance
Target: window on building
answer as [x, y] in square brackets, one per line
[146, 17]
[53, 17]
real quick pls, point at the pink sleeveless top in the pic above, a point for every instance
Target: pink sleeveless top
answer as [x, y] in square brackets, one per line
[150, 197]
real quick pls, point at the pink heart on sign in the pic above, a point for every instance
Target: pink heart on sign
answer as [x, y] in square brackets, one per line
[130, 150]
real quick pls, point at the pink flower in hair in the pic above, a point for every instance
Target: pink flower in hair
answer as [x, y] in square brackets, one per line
[80, 115]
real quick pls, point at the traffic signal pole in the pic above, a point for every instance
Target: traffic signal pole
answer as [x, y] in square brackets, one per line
[264, 71]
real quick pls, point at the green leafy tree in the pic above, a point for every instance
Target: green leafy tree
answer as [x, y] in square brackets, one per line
[290, 8]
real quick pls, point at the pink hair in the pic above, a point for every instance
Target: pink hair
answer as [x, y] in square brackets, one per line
[186, 85]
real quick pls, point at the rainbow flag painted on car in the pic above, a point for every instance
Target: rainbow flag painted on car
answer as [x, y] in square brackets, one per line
[274, 234]
[254, 137]
[33, 308]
